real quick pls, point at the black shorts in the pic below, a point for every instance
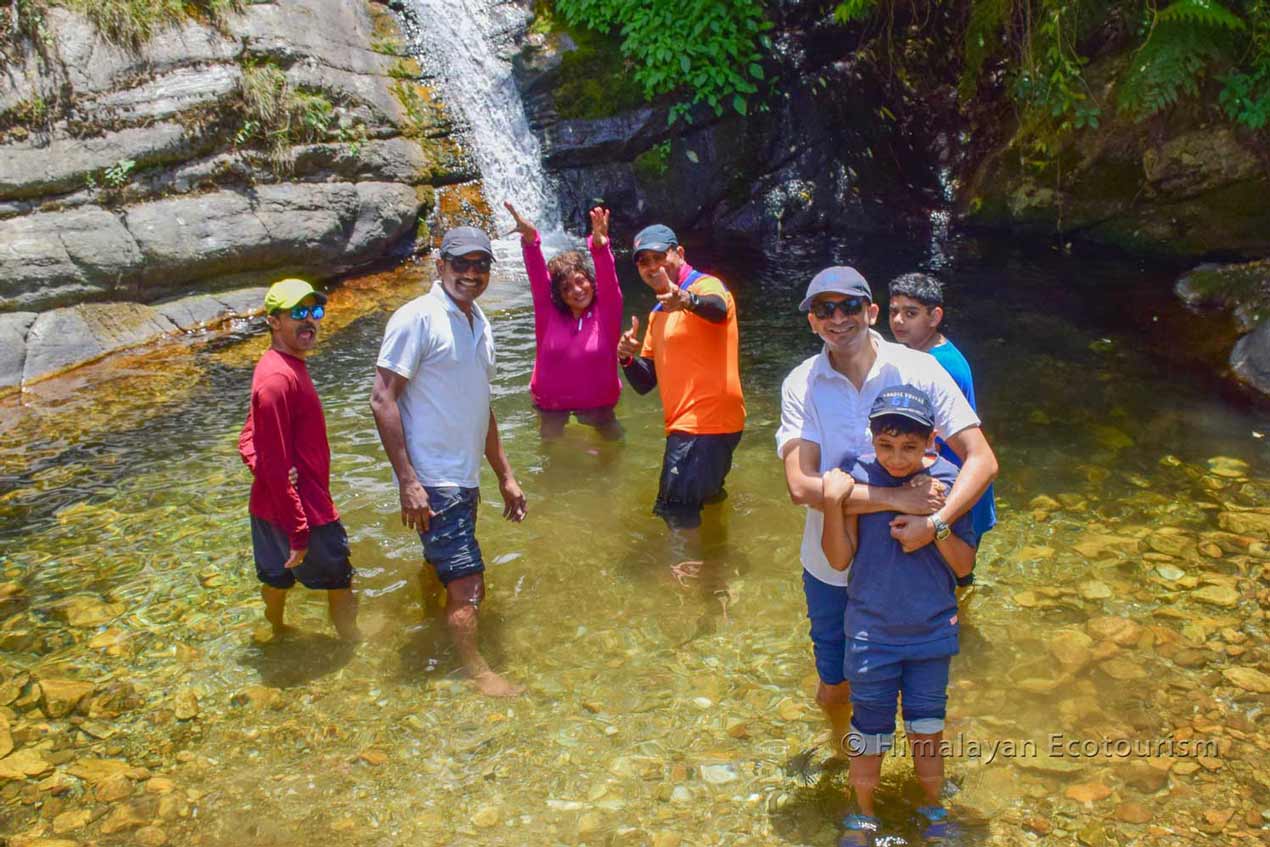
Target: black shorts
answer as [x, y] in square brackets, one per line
[325, 566]
[692, 474]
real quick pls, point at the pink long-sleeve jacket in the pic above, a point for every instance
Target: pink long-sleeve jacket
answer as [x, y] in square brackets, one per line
[575, 366]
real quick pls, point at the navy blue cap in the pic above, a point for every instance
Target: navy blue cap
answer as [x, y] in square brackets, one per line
[465, 239]
[839, 279]
[905, 401]
[659, 238]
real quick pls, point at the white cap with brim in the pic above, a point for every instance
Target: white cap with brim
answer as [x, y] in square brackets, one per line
[839, 279]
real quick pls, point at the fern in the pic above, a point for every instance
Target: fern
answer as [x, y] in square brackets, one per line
[1205, 13]
[1185, 40]
[853, 10]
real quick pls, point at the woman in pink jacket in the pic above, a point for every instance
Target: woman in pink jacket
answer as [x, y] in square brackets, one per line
[577, 321]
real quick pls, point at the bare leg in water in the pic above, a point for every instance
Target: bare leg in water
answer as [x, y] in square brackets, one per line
[928, 762]
[342, 605]
[463, 598]
[835, 701]
[275, 608]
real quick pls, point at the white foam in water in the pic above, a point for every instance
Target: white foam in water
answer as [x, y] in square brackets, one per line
[460, 39]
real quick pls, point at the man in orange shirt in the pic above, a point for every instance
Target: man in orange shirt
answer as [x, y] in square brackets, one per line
[690, 354]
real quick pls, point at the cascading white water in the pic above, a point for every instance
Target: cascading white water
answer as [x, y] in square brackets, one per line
[463, 42]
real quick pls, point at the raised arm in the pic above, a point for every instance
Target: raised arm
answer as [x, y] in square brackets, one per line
[535, 267]
[608, 291]
[415, 512]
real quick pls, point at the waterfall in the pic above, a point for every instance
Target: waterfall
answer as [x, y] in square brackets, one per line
[465, 44]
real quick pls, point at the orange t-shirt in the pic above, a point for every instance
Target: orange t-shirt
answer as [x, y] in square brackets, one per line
[698, 373]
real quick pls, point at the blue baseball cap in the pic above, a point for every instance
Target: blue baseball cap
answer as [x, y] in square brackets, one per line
[839, 279]
[905, 401]
[658, 238]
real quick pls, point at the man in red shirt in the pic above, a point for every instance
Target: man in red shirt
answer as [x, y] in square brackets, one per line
[296, 532]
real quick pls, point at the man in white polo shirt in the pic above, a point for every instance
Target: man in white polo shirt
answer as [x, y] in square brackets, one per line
[431, 403]
[825, 404]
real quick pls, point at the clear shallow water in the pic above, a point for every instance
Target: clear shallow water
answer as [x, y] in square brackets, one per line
[1111, 598]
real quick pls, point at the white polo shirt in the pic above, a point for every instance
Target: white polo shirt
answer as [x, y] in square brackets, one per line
[819, 404]
[445, 407]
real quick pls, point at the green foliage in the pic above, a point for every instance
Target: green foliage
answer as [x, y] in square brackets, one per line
[706, 50]
[594, 80]
[1042, 45]
[654, 162]
[133, 22]
[23, 21]
[853, 10]
[119, 174]
[1184, 39]
[278, 116]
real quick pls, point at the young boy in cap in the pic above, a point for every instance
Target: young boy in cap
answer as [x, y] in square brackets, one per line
[431, 403]
[901, 615]
[916, 311]
[296, 532]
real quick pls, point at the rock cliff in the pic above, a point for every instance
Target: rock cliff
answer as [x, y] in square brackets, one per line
[290, 138]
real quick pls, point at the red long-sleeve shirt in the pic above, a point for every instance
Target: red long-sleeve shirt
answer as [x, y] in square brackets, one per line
[286, 429]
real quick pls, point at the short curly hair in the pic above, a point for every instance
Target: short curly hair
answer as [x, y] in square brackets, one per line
[562, 267]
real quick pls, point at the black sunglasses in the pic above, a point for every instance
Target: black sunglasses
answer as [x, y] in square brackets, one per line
[461, 265]
[824, 309]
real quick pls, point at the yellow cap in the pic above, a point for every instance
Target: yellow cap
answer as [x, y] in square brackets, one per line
[287, 293]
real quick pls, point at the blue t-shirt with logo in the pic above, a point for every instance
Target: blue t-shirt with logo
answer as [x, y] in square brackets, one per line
[895, 597]
[984, 513]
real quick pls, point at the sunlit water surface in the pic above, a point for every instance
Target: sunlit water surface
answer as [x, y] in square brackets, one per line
[1112, 598]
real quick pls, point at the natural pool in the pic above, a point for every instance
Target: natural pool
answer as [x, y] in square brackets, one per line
[1120, 604]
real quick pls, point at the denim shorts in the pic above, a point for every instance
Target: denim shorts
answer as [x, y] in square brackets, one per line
[693, 469]
[881, 673]
[325, 566]
[827, 609]
[449, 543]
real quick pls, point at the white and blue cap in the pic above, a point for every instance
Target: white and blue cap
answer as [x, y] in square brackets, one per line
[839, 279]
[905, 401]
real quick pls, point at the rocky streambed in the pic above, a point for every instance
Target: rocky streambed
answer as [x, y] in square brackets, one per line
[1111, 689]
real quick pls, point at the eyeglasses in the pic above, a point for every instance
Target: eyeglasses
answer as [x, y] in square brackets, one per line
[299, 313]
[461, 265]
[824, 309]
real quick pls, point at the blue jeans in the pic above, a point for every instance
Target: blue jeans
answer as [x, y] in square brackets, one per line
[880, 673]
[827, 609]
[449, 544]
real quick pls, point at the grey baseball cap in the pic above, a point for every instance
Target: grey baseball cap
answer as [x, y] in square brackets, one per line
[905, 401]
[659, 238]
[839, 279]
[466, 239]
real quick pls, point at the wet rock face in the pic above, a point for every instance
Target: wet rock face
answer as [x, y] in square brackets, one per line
[804, 166]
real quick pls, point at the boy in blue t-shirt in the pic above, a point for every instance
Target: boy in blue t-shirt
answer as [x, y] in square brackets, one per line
[916, 311]
[901, 618]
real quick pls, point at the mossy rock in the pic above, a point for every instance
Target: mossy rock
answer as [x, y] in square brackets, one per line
[1242, 288]
[595, 81]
